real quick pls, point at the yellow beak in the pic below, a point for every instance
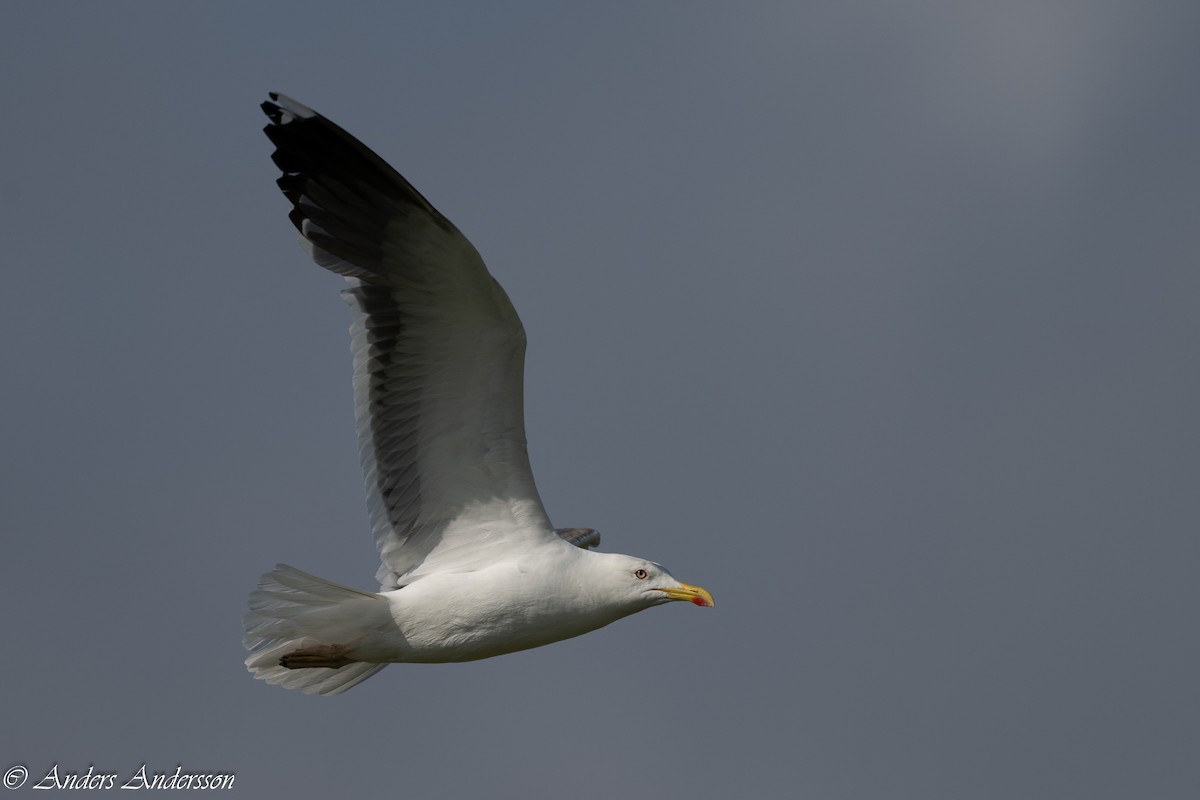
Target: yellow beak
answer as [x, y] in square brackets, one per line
[693, 594]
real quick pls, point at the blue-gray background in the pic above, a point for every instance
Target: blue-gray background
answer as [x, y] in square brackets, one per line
[879, 320]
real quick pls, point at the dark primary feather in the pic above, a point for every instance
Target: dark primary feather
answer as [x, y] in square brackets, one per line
[341, 191]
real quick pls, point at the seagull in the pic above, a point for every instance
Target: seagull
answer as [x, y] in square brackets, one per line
[471, 565]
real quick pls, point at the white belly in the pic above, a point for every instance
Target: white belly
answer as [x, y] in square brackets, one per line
[468, 616]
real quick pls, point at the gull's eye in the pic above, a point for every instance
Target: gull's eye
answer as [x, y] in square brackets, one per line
[640, 574]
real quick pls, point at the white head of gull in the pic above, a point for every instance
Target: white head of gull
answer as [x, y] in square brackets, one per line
[471, 565]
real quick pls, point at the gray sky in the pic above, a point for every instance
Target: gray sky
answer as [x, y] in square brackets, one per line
[878, 320]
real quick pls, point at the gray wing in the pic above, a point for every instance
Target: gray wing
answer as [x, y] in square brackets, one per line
[580, 537]
[438, 356]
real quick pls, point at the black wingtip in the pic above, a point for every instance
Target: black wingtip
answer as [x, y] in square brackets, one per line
[272, 109]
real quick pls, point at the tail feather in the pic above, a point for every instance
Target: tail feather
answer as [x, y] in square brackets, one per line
[291, 609]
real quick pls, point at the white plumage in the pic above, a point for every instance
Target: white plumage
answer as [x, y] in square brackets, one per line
[471, 566]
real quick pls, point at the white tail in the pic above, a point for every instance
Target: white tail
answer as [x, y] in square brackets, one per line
[292, 610]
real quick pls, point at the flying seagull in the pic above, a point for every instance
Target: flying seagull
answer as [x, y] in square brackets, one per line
[471, 565]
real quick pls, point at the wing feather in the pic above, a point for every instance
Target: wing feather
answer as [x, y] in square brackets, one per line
[438, 356]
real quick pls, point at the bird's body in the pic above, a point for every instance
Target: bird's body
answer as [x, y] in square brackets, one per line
[498, 610]
[471, 566]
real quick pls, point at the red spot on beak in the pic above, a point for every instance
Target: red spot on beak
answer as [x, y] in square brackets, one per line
[699, 601]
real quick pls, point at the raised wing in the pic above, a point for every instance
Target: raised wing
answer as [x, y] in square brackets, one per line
[438, 356]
